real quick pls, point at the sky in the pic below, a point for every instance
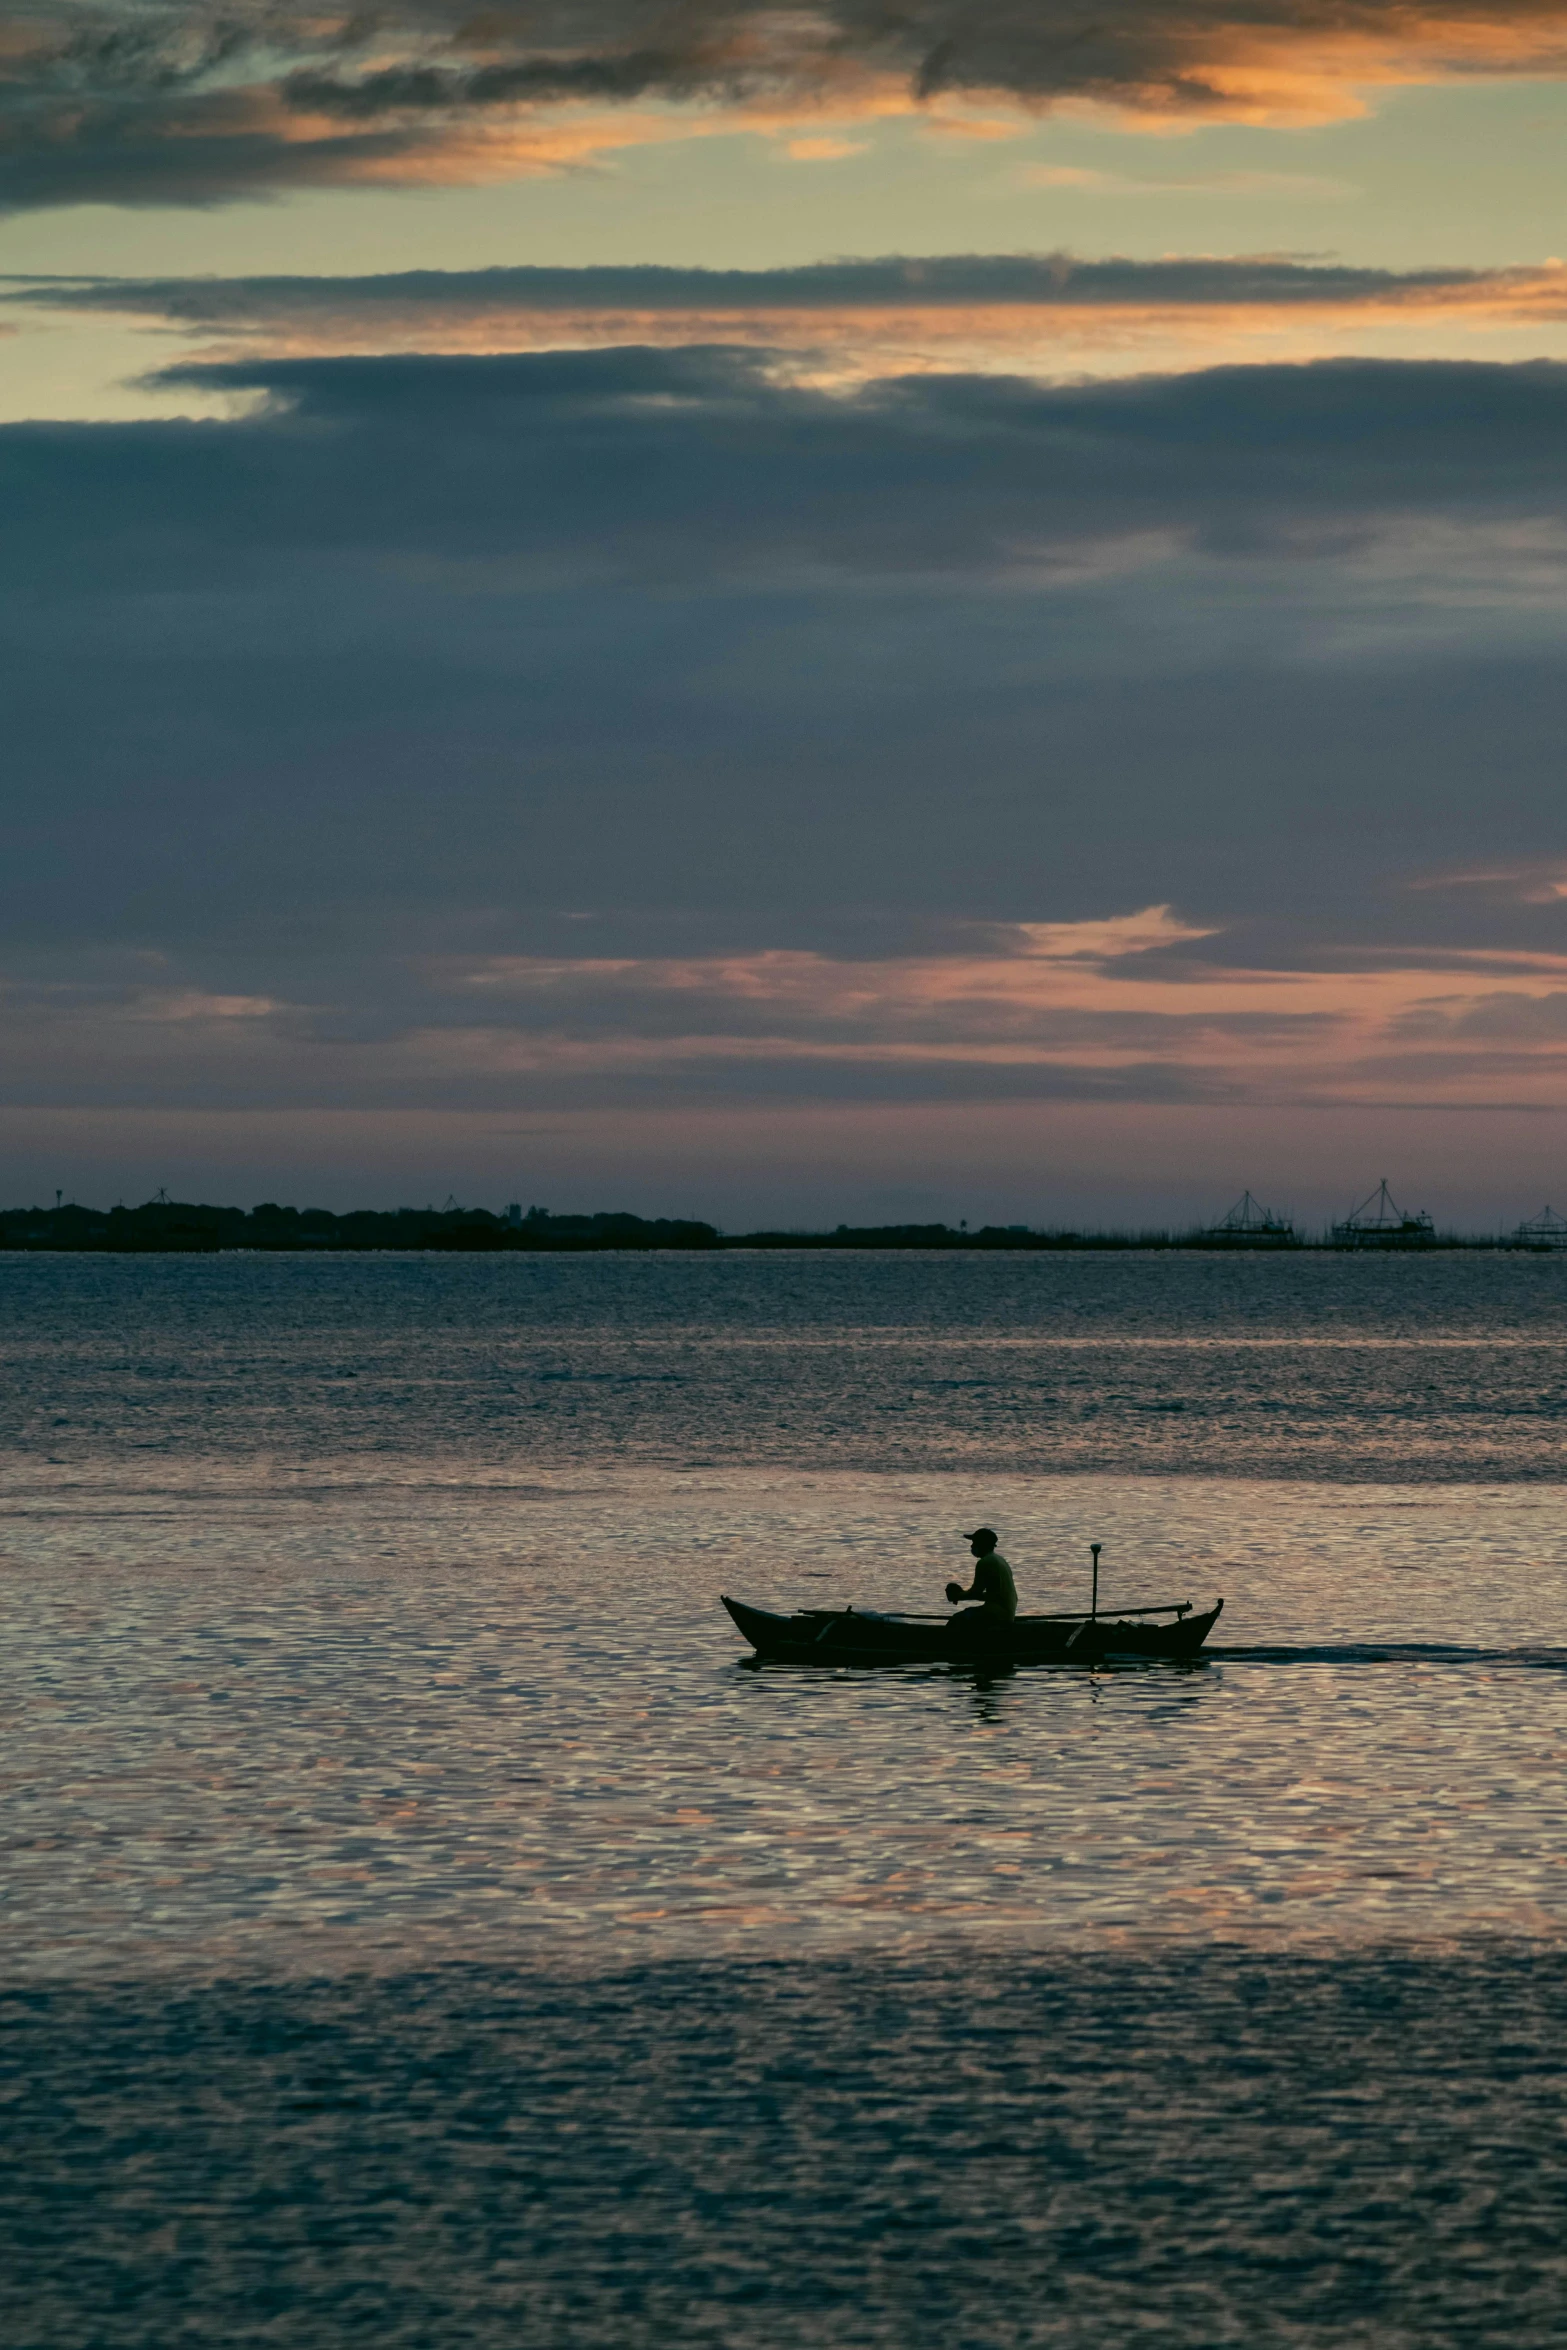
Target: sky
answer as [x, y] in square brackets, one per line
[792, 615]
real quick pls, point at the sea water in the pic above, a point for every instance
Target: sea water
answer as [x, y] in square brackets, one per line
[422, 1926]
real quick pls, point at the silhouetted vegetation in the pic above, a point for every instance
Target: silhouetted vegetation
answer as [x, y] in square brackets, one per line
[988, 1236]
[183, 1225]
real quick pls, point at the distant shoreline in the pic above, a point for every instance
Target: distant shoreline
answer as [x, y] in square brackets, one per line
[183, 1228]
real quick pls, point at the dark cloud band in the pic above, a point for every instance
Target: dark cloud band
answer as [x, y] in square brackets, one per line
[655, 461]
[1048, 281]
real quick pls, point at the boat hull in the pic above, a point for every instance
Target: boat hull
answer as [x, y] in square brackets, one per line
[822, 1636]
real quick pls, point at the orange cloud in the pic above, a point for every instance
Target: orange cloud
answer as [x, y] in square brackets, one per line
[1104, 1001]
[1136, 1009]
[132, 101]
[823, 150]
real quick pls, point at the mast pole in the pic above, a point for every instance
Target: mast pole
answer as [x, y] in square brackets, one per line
[1096, 1548]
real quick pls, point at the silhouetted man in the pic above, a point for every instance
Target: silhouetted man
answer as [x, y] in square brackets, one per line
[992, 1586]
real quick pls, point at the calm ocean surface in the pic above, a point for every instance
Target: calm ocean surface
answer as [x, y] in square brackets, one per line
[422, 1929]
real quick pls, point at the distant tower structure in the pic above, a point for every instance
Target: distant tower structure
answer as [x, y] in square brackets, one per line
[1379, 1223]
[514, 1212]
[1546, 1230]
[1249, 1225]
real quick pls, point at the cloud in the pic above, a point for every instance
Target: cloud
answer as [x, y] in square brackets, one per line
[1056, 1014]
[192, 103]
[583, 1031]
[963, 281]
[1349, 513]
[563, 730]
[1520, 1016]
[1527, 885]
[822, 149]
[1248, 185]
[838, 322]
[667, 464]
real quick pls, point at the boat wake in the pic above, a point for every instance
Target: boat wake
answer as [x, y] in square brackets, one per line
[1386, 1652]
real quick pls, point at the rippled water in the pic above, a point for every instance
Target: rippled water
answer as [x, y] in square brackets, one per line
[1449, 1367]
[371, 1724]
[1175, 2150]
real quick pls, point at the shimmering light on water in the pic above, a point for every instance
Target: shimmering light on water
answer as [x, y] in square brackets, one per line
[371, 1724]
[1451, 1367]
[374, 1726]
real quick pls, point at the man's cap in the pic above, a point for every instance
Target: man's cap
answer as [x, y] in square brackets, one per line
[982, 1534]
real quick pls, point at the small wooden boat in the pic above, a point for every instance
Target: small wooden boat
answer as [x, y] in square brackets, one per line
[865, 1636]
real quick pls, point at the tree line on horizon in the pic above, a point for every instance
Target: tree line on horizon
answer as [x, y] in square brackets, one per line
[173, 1226]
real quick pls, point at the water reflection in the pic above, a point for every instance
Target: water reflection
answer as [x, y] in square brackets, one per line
[378, 1776]
[298, 1673]
[1441, 1369]
[245, 1737]
[986, 1687]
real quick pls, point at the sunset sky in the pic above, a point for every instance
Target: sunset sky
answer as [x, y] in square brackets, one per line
[839, 612]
